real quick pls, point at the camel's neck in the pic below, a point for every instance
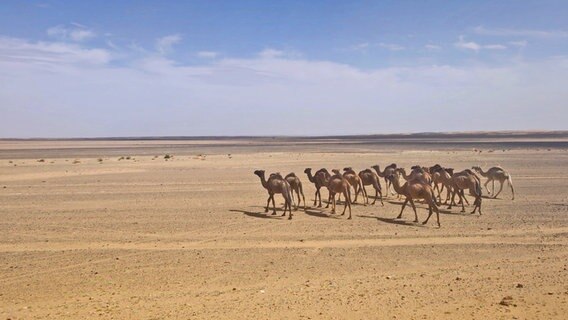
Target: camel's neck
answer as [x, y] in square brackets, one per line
[404, 175]
[396, 185]
[483, 174]
[263, 181]
[310, 177]
[379, 173]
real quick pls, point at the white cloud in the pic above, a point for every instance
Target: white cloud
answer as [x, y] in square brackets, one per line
[432, 47]
[474, 46]
[520, 32]
[391, 46]
[78, 34]
[165, 44]
[520, 44]
[50, 53]
[360, 47]
[207, 54]
[53, 89]
[270, 53]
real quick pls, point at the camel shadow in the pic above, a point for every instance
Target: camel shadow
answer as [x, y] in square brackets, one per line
[320, 214]
[395, 221]
[261, 215]
[270, 208]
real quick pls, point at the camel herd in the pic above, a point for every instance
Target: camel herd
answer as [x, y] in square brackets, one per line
[421, 183]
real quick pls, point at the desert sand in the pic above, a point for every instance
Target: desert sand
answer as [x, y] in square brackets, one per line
[85, 235]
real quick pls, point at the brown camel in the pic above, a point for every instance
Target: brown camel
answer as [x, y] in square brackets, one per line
[337, 184]
[296, 186]
[466, 180]
[496, 173]
[368, 177]
[319, 180]
[276, 184]
[384, 174]
[440, 176]
[417, 173]
[415, 189]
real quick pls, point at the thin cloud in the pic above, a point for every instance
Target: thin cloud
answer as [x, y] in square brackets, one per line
[78, 34]
[270, 53]
[433, 47]
[474, 46]
[501, 32]
[391, 46]
[165, 44]
[208, 54]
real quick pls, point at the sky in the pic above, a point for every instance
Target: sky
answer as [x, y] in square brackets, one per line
[230, 68]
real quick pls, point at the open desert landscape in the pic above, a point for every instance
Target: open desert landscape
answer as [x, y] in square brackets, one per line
[111, 229]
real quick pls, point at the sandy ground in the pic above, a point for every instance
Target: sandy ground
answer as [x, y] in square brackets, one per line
[188, 238]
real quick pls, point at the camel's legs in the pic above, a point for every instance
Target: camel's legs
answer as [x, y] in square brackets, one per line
[486, 187]
[333, 205]
[512, 189]
[460, 193]
[493, 191]
[316, 198]
[401, 210]
[267, 203]
[347, 203]
[273, 205]
[500, 188]
[414, 208]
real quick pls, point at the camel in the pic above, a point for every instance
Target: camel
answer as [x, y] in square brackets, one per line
[353, 180]
[319, 180]
[296, 186]
[338, 184]
[416, 189]
[440, 176]
[466, 180]
[385, 173]
[276, 184]
[417, 173]
[368, 177]
[499, 174]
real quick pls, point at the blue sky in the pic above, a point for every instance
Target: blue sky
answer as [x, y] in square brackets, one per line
[133, 68]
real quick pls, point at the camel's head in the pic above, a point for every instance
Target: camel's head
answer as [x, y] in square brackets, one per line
[335, 171]
[348, 169]
[308, 170]
[376, 167]
[449, 170]
[415, 167]
[476, 168]
[259, 173]
[435, 168]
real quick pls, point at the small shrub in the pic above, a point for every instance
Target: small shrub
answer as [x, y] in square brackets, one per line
[41, 160]
[168, 156]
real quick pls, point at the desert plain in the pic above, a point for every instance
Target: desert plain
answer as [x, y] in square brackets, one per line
[110, 229]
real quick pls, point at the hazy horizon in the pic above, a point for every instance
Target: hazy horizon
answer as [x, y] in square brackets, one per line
[130, 69]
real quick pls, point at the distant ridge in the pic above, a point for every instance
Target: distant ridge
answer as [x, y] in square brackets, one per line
[555, 134]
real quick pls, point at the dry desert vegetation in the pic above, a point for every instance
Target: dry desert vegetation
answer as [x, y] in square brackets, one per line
[152, 229]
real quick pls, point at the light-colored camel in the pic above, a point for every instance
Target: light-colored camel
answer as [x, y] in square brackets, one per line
[319, 180]
[387, 171]
[276, 184]
[415, 189]
[337, 184]
[496, 173]
[466, 180]
[296, 186]
[368, 177]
